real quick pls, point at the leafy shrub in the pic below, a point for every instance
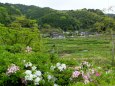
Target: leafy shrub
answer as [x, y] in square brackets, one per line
[18, 38]
[16, 48]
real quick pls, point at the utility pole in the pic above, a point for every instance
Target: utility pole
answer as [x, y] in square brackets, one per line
[112, 37]
[113, 47]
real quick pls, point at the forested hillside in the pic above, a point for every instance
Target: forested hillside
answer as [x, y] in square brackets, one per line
[17, 15]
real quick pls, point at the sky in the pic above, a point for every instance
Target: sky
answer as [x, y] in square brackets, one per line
[67, 4]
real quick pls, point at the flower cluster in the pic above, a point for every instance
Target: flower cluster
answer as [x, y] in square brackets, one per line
[75, 74]
[84, 72]
[28, 49]
[85, 64]
[108, 71]
[12, 69]
[50, 77]
[28, 64]
[59, 66]
[32, 74]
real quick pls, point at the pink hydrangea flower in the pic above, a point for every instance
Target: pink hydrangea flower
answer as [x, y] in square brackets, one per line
[85, 77]
[28, 49]
[97, 74]
[12, 69]
[76, 74]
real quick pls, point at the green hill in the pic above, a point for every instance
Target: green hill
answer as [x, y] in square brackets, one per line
[67, 20]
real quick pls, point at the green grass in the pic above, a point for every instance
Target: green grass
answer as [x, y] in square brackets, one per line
[95, 50]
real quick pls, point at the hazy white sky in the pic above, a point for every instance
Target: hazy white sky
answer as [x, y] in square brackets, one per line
[65, 4]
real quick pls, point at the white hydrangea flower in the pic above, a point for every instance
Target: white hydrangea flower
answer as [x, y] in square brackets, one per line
[29, 77]
[88, 65]
[29, 64]
[34, 76]
[28, 49]
[58, 64]
[56, 85]
[49, 77]
[52, 67]
[60, 68]
[108, 71]
[86, 81]
[36, 81]
[38, 73]
[28, 72]
[92, 71]
[64, 66]
[34, 67]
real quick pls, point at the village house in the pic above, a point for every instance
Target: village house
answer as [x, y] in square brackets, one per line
[56, 35]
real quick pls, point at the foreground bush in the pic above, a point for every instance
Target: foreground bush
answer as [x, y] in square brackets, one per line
[42, 73]
[15, 40]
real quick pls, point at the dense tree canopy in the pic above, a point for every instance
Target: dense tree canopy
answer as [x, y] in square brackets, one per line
[17, 15]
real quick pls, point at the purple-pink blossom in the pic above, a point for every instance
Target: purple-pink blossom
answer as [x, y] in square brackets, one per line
[76, 74]
[85, 77]
[12, 69]
[97, 74]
